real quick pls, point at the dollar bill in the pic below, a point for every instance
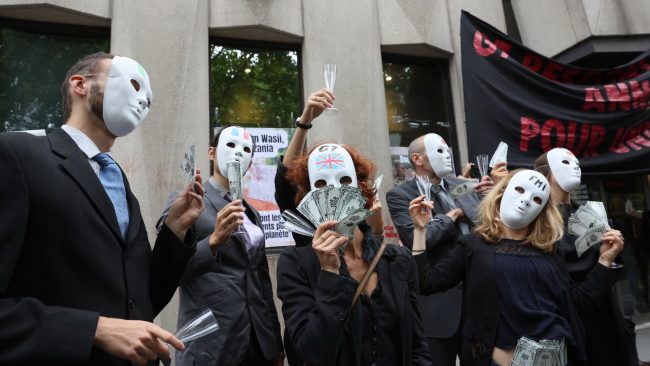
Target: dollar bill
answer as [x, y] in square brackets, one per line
[463, 189]
[188, 164]
[590, 238]
[333, 197]
[346, 225]
[525, 352]
[599, 208]
[308, 207]
[344, 198]
[354, 201]
[235, 180]
[320, 197]
[587, 216]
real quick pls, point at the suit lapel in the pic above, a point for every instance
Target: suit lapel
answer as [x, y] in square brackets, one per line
[76, 164]
[135, 219]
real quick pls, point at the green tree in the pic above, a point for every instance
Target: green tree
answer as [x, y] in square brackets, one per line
[253, 87]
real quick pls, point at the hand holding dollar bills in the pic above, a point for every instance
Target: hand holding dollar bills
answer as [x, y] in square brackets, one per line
[342, 204]
[588, 223]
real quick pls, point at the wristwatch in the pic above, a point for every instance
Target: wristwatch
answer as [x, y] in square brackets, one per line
[301, 125]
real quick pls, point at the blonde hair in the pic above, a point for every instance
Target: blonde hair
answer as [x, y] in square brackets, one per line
[545, 230]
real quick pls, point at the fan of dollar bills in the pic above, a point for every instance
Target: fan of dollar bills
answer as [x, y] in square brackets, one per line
[589, 223]
[539, 353]
[343, 204]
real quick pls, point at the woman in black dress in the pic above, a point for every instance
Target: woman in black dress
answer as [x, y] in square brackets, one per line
[514, 283]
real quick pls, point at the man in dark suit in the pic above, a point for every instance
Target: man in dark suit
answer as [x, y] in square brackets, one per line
[441, 313]
[229, 272]
[79, 282]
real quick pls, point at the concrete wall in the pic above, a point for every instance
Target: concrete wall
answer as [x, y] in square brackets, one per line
[170, 38]
[552, 26]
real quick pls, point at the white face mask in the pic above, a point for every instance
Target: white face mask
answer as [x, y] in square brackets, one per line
[331, 164]
[565, 168]
[438, 153]
[524, 198]
[127, 96]
[235, 144]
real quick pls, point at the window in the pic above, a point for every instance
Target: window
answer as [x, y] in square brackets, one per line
[254, 86]
[35, 58]
[258, 87]
[417, 102]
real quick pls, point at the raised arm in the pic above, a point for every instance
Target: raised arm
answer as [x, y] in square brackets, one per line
[314, 106]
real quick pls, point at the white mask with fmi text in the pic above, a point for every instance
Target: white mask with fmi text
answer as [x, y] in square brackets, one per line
[524, 198]
[565, 168]
[331, 164]
[438, 153]
[235, 144]
[127, 96]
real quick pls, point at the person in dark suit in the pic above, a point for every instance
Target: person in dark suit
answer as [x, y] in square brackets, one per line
[317, 283]
[229, 272]
[515, 283]
[609, 339]
[79, 282]
[441, 312]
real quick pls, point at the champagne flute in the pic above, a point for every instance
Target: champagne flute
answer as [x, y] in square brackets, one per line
[329, 71]
[424, 187]
[205, 323]
[236, 190]
[482, 162]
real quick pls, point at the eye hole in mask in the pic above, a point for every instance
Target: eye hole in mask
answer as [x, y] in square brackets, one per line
[346, 181]
[135, 84]
[440, 151]
[565, 162]
[231, 145]
[247, 149]
[520, 190]
[537, 200]
[320, 183]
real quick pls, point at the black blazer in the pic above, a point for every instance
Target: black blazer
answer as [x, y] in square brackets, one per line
[441, 312]
[63, 262]
[316, 305]
[235, 286]
[472, 261]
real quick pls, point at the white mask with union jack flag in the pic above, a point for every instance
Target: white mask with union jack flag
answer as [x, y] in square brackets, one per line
[331, 164]
[565, 168]
[438, 153]
[235, 144]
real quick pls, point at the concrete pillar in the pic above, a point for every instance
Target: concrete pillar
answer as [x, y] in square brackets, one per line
[346, 33]
[490, 11]
[170, 39]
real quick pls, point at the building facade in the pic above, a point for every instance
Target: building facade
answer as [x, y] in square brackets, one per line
[375, 45]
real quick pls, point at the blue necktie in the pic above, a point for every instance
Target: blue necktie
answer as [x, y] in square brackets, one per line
[111, 177]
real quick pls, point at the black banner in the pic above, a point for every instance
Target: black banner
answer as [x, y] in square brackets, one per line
[534, 104]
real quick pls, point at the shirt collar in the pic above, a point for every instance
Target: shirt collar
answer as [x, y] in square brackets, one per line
[86, 145]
